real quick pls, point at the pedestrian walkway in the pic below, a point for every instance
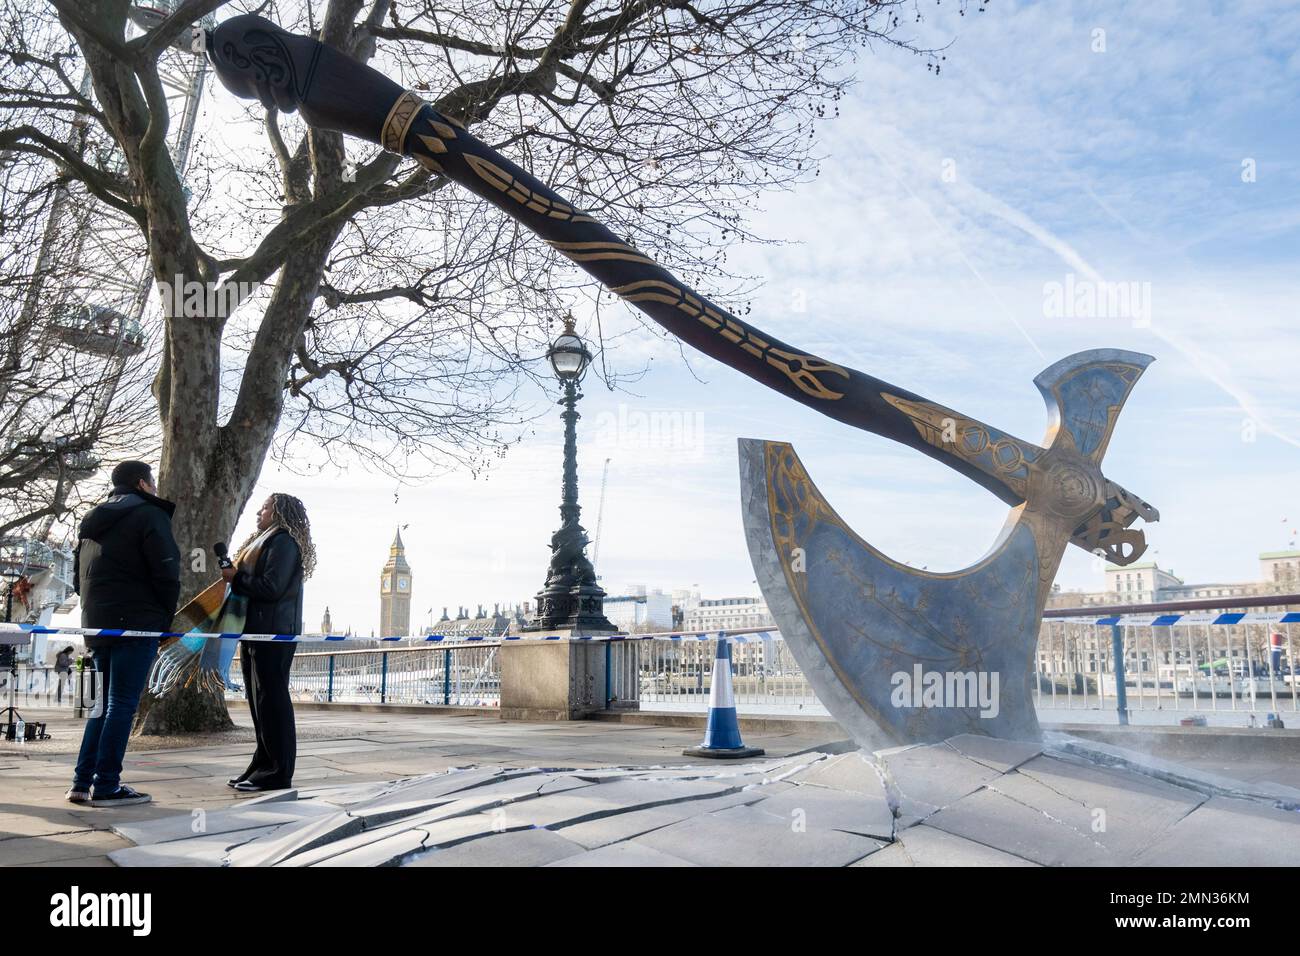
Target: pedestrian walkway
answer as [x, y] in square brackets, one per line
[39, 828]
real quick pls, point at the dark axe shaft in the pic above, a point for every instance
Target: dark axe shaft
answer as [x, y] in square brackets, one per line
[256, 59]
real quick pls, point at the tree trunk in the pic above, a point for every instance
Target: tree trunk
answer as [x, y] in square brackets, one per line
[210, 471]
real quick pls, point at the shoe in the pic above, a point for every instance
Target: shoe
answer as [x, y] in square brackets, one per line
[121, 797]
[234, 782]
[247, 786]
[78, 795]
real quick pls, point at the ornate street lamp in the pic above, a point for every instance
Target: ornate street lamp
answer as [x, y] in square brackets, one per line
[571, 600]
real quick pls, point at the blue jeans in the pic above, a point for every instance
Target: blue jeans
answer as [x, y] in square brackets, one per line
[123, 668]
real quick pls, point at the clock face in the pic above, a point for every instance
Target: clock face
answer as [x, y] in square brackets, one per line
[387, 585]
[403, 584]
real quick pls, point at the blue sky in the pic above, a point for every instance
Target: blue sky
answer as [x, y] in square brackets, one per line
[944, 207]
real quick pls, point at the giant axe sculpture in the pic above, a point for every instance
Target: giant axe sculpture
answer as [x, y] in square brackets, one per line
[897, 655]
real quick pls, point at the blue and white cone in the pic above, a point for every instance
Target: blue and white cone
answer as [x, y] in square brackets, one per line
[722, 735]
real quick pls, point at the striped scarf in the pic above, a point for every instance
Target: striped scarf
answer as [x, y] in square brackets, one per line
[205, 661]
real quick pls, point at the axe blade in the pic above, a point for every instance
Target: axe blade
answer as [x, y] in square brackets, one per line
[902, 656]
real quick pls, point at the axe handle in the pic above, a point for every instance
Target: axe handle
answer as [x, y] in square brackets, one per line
[254, 58]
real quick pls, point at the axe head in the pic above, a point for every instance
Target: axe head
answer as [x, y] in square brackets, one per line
[900, 655]
[1085, 393]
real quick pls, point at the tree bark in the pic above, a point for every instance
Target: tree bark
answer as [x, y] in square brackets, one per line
[210, 470]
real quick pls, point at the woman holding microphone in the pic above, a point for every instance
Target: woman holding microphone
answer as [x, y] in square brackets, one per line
[285, 556]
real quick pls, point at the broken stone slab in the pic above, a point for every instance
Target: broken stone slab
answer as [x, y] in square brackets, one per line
[1169, 771]
[1115, 790]
[208, 849]
[432, 785]
[452, 832]
[923, 779]
[623, 826]
[388, 850]
[924, 845]
[746, 836]
[591, 802]
[297, 838]
[417, 825]
[275, 796]
[853, 772]
[1226, 831]
[346, 793]
[627, 854]
[522, 786]
[361, 822]
[1059, 814]
[535, 847]
[376, 814]
[998, 820]
[995, 752]
[239, 817]
[821, 808]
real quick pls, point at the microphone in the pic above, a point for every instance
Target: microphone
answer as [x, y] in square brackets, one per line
[223, 556]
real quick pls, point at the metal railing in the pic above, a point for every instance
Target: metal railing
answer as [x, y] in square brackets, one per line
[1190, 665]
[454, 675]
[1184, 663]
[669, 675]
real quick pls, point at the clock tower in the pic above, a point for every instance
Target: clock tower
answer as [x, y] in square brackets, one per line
[395, 592]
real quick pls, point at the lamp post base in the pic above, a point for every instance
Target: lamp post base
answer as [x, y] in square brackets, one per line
[579, 611]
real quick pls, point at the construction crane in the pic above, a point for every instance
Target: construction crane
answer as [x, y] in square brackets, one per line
[600, 520]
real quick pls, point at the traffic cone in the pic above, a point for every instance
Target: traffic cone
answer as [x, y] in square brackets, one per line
[722, 735]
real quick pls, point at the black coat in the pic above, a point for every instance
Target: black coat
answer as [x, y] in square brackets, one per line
[127, 568]
[273, 588]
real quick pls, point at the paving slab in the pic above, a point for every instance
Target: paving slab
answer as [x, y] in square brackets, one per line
[450, 832]
[536, 847]
[51, 820]
[854, 772]
[231, 820]
[382, 788]
[57, 847]
[1228, 832]
[272, 796]
[392, 841]
[297, 838]
[1067, 815]
[1001, 755]
[926, 778]
[746, 836]
[624, 826]
[389, 850]
[924, 845]
[209, 849]
[827, 809]
[628, 854]
[79, 863]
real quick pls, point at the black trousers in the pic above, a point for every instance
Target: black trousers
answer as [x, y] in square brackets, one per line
[266, 668]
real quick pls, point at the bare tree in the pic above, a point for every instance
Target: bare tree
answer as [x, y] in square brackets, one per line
[73, 376]
[384, 314]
